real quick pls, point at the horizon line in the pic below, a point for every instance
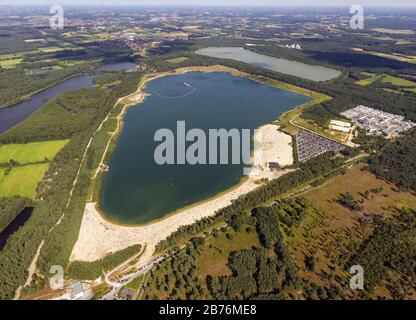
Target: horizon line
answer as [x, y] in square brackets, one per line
[212, 5]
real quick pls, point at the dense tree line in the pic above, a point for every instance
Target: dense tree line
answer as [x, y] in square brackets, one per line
[396, 161]
[16, 84]
[93, 270]
[347, 200]
[391, 251]
[10, 208]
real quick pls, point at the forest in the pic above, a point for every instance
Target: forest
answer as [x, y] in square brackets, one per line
[16, 85]
[227, 263]
[395, 162]
[391, 253]
[54, 193]
[255, 272]
[10, 208]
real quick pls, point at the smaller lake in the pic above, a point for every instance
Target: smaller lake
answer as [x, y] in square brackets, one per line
[120, 66]
[293, 68]
[17, 222]
[15, 114]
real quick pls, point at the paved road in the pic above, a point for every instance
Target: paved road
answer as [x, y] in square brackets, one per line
[119, 284]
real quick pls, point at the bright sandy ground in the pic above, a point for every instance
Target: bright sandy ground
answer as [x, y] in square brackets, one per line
[273, 146]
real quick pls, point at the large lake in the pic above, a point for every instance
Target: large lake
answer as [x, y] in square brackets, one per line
[298, 69]
[136, 189]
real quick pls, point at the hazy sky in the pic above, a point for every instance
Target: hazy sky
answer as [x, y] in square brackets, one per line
[392, 3]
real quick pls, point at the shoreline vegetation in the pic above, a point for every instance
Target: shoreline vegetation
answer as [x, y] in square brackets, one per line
[83, 70]
[29, 96]
[96, 226]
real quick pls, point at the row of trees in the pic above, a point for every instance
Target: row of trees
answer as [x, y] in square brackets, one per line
[10, 208]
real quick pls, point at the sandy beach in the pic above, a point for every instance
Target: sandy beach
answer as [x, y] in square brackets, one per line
[99, 237]
[272, 145]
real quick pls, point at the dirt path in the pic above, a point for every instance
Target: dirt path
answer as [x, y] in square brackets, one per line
[31, 271]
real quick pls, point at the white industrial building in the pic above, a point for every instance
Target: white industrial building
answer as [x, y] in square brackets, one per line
[378, 122]
[341, 126]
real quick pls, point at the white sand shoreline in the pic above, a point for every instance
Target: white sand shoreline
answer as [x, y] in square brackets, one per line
[99, 237]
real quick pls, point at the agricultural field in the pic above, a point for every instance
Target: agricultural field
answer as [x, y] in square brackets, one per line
[394, 31]
[371, 79]
[31, 162]
[10, 63]
[398, 81]
[178, 60]
[411, 90]
[390, 56]
[387, 79]
[51, 49]
[31, 152]
[22, 181]
[11, 60]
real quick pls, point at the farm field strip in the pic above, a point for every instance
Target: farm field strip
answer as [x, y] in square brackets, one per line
[22, 181]
[31, 152]
[31, 163]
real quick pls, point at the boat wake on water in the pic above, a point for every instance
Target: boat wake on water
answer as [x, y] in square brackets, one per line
[192, 90]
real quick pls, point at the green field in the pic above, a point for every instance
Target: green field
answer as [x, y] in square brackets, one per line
[372, 78]
[395, 81]
[135, 284]
[22, 181]
[394, 31]
[31, 152]
[10, 63]
[1, 175]
[10, 56]
[398, 81]
[411, 90]
[177, 60]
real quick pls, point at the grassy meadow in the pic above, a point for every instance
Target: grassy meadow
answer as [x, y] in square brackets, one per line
[32, 159]
[31, 152]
